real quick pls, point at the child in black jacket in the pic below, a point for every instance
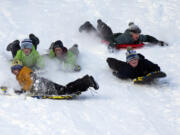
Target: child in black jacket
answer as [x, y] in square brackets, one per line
[135, 66]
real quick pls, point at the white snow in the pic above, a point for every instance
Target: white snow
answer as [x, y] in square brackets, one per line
[119, 107]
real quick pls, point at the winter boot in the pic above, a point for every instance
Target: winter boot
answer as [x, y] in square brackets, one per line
[34, 39]
[87, 27]
[14, 43]
[51, 47]
[75, 45]
[104, 30]
[93, 83]
[74, 49]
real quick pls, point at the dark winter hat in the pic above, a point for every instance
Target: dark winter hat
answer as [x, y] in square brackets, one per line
[134, 28]
[58, 44]
[131, 54]
[16, 64]
[26, 43]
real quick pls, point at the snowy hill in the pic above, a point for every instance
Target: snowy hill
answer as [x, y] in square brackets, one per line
[119, 107]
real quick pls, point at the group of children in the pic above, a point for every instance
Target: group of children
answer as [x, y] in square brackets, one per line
[27, 59]
[136, 66]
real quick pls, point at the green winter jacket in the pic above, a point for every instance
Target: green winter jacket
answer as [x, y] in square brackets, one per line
[69, 58]
[34, 60]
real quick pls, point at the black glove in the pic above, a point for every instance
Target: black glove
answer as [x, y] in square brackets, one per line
[18, 92]
[34, 39]
[162, 43]
[111, 47]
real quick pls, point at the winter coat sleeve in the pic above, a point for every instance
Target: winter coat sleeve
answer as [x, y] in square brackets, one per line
[70, 58]
[122, 69]
[151, 67]
[148, 38]
[40, 62]
[126, 74]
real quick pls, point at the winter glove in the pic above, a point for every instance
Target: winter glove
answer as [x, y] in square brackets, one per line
[77, 68]
[162, 43]
[18, 92]
[3, 89]
[111, 47]
[112, 44]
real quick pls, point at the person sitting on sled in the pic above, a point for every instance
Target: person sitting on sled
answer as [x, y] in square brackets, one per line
[135, 66]
[131, 36]
[36, 85]
[68, 57]
[27, 53]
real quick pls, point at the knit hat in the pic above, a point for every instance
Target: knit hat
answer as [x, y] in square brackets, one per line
[16, 64]
[26, 43]
[134, 28]
[131, 54]
[59, 44]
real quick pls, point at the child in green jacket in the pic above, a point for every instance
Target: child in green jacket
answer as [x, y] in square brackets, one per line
[67, 57]
[27, 53]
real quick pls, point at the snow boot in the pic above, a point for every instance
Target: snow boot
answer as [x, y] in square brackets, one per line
[14, 43]
[87, 27]
[34, 39]
[104, 31]
[74, 49]
[93, 83]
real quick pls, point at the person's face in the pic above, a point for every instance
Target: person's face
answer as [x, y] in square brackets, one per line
[135, 36]
[16, 72]
[27, 51]
[133, 63]
[58, 52]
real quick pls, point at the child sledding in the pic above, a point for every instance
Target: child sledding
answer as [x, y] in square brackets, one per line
[132, 36]
[39, 86]
[136, 67]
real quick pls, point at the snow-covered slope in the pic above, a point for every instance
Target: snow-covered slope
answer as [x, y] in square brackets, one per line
[119, 107]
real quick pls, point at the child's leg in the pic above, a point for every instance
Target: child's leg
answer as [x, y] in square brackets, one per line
[34, 39]
[15, 47]
[81, 84]
[87, 27]
[74, 49]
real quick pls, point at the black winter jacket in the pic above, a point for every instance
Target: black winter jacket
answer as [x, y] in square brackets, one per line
[125, 71]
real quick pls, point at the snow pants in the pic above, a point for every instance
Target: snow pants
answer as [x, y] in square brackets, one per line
[43, 86]
[103, 30]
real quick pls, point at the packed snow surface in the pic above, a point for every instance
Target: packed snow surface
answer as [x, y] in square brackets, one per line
[118, 107]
